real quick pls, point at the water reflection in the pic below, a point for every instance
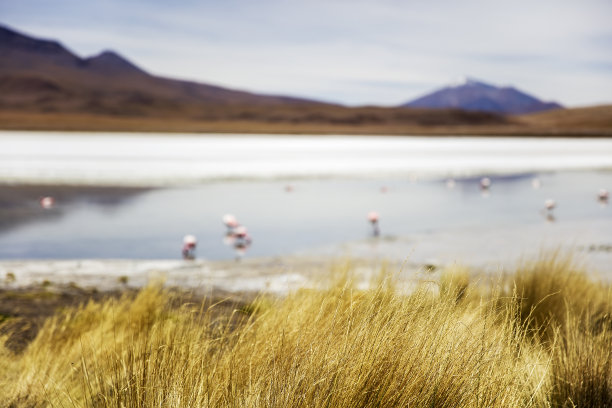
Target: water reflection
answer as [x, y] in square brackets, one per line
[242, 242]
[126, 223]
[21, 204]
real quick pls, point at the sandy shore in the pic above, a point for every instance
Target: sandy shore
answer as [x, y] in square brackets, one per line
[485, 252]
[272, 275]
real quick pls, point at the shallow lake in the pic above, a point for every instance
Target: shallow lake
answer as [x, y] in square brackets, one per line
[294, 193]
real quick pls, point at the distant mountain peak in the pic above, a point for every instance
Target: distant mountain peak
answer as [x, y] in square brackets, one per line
[109, 54]
[466, 81]
[24, 52]
[475, 95]
[471, 82]
[110, 60]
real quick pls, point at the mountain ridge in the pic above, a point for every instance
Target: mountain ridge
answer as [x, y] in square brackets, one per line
[110, 60]
[476, 95]
[105, 82]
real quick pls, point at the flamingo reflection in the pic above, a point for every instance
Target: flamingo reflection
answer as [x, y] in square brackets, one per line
[242, 241]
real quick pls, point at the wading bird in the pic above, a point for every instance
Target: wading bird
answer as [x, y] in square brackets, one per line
[549, 206]
[47, 202]
[230, 222]
[189, 246]
[373, 218]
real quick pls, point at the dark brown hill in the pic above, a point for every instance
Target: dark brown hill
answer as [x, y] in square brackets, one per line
[42, 75]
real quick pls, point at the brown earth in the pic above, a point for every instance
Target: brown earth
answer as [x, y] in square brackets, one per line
[23, 311]
[588, 122]
[595, 119]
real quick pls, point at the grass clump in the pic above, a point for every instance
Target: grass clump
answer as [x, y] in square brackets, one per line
[454, 282]
[554, 291]
[572, 315]
[10, 278]
[582, 366]
[459, 346]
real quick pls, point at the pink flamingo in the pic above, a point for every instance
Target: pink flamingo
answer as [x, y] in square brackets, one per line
[549, 206]
[230, 222]
[485, 183]
[373, 218]
[189, 245]
[47, 202]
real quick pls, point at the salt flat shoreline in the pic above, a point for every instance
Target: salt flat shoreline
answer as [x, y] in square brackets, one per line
[410, 258]
[271, 275]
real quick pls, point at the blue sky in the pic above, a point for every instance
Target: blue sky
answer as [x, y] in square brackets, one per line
[354, 52]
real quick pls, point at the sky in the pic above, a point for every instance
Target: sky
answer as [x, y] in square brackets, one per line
[353, 52]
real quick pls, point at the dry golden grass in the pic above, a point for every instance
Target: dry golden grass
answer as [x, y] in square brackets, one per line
[453, 344]
[573, 314]
[554, 290]
[593, 117]
[581, 372]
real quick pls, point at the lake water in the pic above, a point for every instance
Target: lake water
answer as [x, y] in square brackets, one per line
[297, 193]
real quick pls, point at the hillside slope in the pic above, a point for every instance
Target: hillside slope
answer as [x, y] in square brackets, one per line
[42, 75]
[473, 95]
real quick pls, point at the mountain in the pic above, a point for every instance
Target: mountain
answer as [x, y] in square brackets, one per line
[43, 76]
[473, 95]
[45, 86]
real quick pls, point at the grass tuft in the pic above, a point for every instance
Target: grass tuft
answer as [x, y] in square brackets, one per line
[343, 346]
